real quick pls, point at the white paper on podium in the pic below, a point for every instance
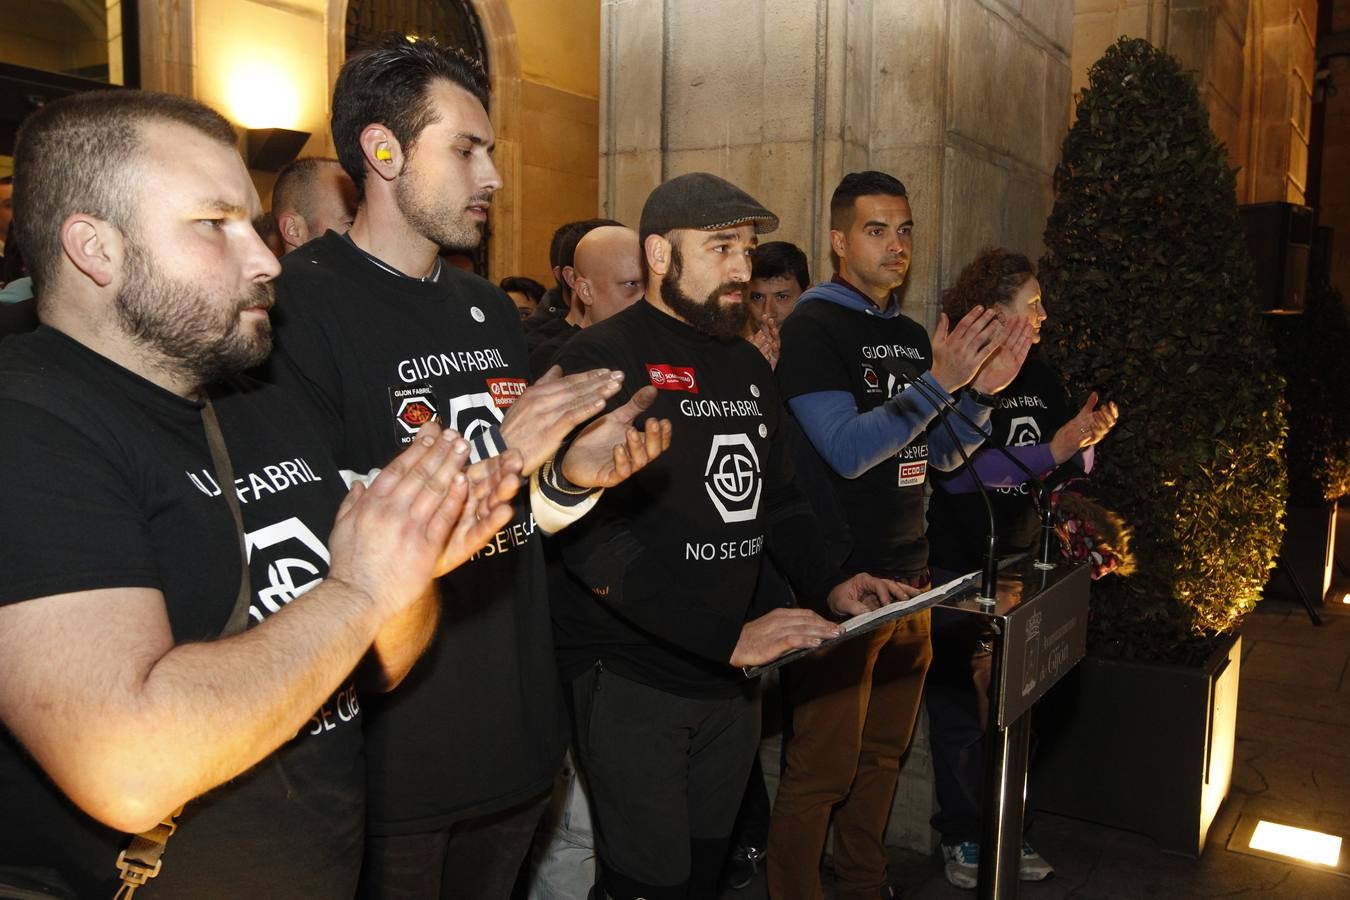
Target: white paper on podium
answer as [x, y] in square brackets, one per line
[870, 621]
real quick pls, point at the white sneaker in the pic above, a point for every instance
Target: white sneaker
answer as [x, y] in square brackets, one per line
[1032, 866]
[962, 863]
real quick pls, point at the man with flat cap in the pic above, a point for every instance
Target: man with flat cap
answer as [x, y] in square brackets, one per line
[651, 630]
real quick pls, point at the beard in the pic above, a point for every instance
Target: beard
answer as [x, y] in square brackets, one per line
[435, 219]
[708, 315]
[195, 334]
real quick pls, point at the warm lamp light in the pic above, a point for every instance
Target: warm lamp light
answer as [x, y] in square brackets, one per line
[262, 95]
[1296, 843]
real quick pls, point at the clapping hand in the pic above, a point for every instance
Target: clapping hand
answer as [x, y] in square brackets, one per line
[610, 449]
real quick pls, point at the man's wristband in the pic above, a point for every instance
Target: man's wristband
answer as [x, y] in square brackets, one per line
[989, 400]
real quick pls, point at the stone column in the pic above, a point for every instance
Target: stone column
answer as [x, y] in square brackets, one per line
[166, 45]
[966, 101]
[1277, 118]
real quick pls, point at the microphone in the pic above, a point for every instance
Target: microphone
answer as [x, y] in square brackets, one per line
[989, 573]
[1043, 491]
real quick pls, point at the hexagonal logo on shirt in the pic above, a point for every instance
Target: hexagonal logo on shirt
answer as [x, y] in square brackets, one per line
[732, 477]
[1024, 431]
[473, 415]
[294, 559]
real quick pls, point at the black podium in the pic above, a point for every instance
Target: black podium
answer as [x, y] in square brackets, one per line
[1038, 623]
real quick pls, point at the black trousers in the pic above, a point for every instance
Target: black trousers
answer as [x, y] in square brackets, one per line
[666, 775]
[478, 858]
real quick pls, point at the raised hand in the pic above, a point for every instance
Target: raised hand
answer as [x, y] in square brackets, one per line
[1090, 425]
[610, 450]
[551, 407]
[1005, 362]
[864, 593]
[766, 340]
[388, 539]
[492, 483]
[777, 632]
[959, 353]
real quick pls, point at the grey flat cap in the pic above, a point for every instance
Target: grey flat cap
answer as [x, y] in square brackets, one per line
[702, 201]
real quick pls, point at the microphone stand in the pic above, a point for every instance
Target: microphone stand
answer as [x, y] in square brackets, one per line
[1006, 748]
[1043, 492]
[989, 573]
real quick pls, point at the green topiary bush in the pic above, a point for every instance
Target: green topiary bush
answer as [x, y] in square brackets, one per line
[1151, 299]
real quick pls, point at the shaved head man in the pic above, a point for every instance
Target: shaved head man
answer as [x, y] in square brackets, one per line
[608, 272]
[312, 196]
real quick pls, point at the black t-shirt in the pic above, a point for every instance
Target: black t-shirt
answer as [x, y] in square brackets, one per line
[827, 347]
[545, 343]
[107, 482]
[664, 568]
[477, 726]
[1030, 411]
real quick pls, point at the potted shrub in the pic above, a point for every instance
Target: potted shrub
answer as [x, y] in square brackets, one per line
[1311, 349]
[1149, 285]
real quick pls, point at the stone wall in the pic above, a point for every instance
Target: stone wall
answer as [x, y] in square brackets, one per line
[1334, 203]
[966, 101]
[559, 115]
[1277, 118]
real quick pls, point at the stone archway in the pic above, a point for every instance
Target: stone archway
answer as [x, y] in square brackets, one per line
[504, 72]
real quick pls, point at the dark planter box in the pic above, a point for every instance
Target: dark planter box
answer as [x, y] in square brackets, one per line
[1307, 554]
[1141, 746]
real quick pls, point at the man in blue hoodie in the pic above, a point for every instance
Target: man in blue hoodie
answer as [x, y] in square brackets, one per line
[848, 366]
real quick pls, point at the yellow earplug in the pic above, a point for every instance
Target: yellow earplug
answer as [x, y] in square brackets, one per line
[383, 154]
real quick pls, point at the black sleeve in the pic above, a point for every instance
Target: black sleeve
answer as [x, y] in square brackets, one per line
[78, 523]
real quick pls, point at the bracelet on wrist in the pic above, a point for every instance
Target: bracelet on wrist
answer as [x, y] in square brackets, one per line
[989, 400]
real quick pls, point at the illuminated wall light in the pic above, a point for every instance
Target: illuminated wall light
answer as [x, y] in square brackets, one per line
[262, 95]
[1345, 598]
[1297, 843]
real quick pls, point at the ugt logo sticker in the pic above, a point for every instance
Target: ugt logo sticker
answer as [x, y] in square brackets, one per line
[672, 378]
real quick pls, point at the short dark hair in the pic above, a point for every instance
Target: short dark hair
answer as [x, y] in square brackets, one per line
[778, 258]
[389, 85]
[294, 183]
[562, 250]
[860, 184]
[75, 155]
[527, 286]
[993, 277]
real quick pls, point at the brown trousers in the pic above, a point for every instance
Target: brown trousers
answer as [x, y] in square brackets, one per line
[854, 709]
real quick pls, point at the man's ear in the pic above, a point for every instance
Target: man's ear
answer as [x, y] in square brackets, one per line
[93, 246]
[657, 249]
[581, 286]
[570, 277]
[837, 242]
[294, 229]
[383, 153]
